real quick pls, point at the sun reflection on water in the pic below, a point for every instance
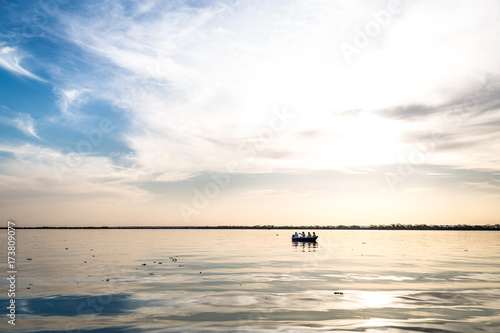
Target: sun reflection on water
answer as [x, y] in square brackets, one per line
[376, 299]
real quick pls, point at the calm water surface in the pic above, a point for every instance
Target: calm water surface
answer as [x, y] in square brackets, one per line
[255, 281]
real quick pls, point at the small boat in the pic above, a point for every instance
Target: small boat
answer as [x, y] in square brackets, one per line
[304, 239]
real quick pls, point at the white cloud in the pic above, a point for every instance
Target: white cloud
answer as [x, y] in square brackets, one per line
[199, 82]
[10, 59]
[70, 99]
[23, 122]
[33, 167]
[41, 186]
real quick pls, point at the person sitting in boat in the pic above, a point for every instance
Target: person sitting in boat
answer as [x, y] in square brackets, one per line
[309, 234]
[296, 235]
[314, 234]
[303, 235]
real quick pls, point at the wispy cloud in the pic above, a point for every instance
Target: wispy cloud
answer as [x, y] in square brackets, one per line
[10, 59]
[192, 76]
[69, 99]
[22, 121]
[58, 193]
[25, 124]
[97, 176]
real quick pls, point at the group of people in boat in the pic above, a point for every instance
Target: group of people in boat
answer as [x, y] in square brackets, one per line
[303, 235]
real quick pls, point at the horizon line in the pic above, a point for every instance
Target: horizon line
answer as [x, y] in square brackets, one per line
[318, 227]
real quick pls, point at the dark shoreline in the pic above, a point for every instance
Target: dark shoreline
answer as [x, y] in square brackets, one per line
[495, 227]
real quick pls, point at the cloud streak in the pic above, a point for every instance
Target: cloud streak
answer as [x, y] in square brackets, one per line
[69, 99]
[10, 59]
[22, 121]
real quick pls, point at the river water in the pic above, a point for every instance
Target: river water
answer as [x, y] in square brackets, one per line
[254, 281]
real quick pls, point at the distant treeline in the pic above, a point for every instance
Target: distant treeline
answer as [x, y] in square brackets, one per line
[305, 227]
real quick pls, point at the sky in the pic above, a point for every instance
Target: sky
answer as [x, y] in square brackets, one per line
[249, 112]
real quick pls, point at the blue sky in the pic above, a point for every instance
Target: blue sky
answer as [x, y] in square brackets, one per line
[237, 112]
